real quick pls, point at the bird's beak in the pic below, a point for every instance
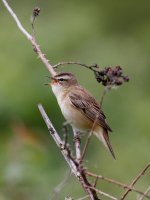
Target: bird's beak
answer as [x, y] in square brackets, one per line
[54, 80]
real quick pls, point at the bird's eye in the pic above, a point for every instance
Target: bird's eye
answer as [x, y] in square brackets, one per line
[61, 79]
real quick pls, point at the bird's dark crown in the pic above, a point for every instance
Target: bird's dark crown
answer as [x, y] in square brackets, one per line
[66, 77]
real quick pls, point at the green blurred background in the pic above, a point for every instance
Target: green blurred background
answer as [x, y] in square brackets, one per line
[104, 32]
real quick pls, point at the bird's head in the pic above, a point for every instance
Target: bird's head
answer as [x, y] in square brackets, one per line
[62, 82]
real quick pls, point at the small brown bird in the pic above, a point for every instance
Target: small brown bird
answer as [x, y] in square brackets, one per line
[80, 108]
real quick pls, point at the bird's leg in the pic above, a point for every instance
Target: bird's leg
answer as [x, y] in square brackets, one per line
[77, 143]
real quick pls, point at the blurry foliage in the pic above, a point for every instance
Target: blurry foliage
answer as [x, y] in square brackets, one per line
[103, 32]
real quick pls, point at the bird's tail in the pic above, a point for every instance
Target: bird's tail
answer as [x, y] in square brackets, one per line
[103, 136]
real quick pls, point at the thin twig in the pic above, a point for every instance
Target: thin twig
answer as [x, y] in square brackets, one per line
[145, 193]
[94, 123]
[103, 95]
[135, 180]
[86, 144]
[95, 183]
[124, 186]
[59, 187]
[82, 198]
[30, 38]
[93, 67]
[88, 138]
[103, 193]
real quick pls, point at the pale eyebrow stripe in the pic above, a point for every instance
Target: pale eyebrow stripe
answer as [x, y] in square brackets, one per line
[63, 77]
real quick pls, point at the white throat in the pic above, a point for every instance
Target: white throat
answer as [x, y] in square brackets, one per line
[58, 91]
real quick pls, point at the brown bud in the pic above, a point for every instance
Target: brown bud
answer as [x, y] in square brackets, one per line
[36, 11]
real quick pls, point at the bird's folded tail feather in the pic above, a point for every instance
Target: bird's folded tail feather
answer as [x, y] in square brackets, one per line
[103, 136]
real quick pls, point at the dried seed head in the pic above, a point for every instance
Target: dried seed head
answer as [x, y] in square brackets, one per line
[36, 11]
[111, 76]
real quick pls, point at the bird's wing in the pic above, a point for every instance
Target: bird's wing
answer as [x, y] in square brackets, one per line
[85, 102]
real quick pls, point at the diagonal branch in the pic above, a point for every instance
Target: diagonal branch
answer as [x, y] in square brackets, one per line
[76, 168]
[135, 180]
[31, 39]
[20, 26]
